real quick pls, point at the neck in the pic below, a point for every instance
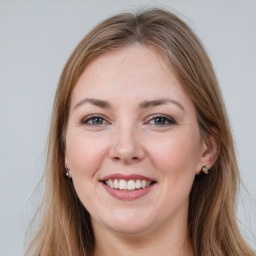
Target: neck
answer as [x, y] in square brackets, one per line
[164, 241]
[124, 248]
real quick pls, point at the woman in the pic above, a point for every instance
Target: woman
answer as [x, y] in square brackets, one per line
[140, 153]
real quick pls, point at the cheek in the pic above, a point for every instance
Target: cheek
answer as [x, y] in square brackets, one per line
[175, 160]
[84, 154]
[176, 155]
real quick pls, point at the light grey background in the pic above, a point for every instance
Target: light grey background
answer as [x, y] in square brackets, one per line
[36, 38]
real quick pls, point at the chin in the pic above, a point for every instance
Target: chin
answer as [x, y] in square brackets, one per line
[128, 222]
[129, 229]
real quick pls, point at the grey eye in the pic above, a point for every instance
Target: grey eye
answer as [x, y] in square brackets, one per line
[94, 120]
[161, 120]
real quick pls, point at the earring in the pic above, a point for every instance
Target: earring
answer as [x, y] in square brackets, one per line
[205, 170]
[67, 172]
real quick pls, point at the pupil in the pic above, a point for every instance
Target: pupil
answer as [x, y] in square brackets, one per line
[97, 121]
[160, 121]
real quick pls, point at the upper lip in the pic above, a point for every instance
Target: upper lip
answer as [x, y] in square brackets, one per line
[126, 177]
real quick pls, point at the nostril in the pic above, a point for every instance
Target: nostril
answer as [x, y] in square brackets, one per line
[125, 158]
[116, 158]
[126, 152]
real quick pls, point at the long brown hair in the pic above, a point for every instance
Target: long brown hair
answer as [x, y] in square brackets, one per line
[65, 227]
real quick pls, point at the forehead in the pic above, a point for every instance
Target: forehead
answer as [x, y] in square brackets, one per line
[130, 72]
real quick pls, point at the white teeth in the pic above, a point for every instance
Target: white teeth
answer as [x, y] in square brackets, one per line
[143, 184]
[138, 184]
[116, 185]
[131, 185]
[127, 185]
[123, 184]
[111, 184]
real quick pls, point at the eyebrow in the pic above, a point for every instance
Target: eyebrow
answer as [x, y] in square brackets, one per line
[142, 105]
[157, 102]
[96, 102]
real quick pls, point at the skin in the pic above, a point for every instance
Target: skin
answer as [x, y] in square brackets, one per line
[127, 139]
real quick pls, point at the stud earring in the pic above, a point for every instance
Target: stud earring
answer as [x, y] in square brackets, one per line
[205, 170]
[67, 172]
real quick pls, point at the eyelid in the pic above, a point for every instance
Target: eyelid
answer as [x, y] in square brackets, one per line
[85, 119]
[168, 118]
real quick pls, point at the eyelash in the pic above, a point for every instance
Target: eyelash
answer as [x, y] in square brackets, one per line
[171, 121]
[91, 118]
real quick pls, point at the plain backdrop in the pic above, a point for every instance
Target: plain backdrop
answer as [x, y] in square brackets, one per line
[37, 37]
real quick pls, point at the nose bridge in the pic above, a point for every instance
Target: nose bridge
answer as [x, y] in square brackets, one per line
[126, 145]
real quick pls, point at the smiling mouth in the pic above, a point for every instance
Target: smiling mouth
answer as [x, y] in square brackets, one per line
[128, 185]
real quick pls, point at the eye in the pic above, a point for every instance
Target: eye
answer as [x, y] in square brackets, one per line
[94, 120]
[161, 120]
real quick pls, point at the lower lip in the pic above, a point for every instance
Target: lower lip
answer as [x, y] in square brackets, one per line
[126, 194]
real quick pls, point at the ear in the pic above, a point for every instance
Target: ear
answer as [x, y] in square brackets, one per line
[66, 158]
[209, 153]
[67, 165]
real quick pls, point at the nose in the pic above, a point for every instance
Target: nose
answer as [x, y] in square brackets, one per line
[127, 146]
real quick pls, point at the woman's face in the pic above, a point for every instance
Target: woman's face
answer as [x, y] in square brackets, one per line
[132, 143]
